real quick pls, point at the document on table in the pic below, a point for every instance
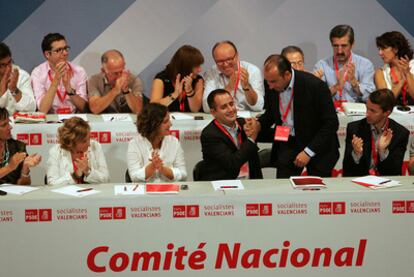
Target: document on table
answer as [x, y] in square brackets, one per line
[62, 117]
[375, 182]
[227, 185]
[181, 116]
[135, 189]
[116, 117]
[14, 189]
[77, 191]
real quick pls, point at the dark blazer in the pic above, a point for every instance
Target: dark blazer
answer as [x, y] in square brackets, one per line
[314, 116]
[222, 159]
[391, 165]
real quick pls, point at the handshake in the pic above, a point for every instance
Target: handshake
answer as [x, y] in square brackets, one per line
[251, 128]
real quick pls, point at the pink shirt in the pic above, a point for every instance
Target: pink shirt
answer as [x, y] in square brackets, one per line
[41, 83]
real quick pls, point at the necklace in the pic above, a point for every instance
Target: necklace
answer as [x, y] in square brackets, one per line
[6, 155]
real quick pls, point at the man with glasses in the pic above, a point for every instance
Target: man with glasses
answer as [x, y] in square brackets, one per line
[348, 75]
[243, 80]
[114, 90]
[59, 86]
[16, 93]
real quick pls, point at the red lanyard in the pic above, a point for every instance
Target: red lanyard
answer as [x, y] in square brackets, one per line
[337, 73]
[236, 85]
[222, 129]
[396, 80]
[75, 168]
[286, 112]
[65, 93]
[374, 147]
[182, 100]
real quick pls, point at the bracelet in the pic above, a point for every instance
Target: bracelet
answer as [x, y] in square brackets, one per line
[171, 96]
[191, 95]
[126, 92]
[25, 175]
[246, 89]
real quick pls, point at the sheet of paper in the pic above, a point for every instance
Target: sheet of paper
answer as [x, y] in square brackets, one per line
[244, 114]
[181, 116]
[77, 191]
[67, 116]
[372, 180]
[116, 117]
[14, 189]
[135, 189]
[227, 185]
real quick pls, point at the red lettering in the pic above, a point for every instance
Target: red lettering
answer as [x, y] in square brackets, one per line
[285, 253]
[124, 262]
[91, 259]
[361, 252]
[254, 254]
[179, 255]
[146, 258]
[305, 257]
[344, 256]
[327, 252]
[231, 258]
[168, 257]
[266, 258]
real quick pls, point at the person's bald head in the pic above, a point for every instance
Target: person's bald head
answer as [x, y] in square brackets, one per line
[113, 64]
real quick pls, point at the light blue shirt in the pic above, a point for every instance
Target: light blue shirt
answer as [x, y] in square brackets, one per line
[364, 73]
[285, 97]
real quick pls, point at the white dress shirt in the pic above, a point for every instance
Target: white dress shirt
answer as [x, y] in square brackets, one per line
[60, 166]
[27, 102]
[139, 155]
[215, 80]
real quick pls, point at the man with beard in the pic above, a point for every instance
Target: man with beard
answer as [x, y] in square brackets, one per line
[376, 144]
[348, 75]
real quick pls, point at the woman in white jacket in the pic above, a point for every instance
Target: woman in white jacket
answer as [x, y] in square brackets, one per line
[76, 159]
[154, 155]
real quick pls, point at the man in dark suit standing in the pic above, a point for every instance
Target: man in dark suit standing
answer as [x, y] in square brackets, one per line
[300, 105]
[228, 143]
[376, 144]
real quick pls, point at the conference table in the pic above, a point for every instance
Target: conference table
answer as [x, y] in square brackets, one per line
[266, 229]
[115, 131]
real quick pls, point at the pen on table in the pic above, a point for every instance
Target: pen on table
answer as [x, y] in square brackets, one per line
[112, 119]
[83, 190]
[311, 189]
[125, 189]
[136, 186]
[229, 187]
[384, 182]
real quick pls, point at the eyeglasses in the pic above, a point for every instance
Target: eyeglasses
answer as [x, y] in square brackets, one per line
[298, 63]
[226, 61]
[60, 50]
[6, 64]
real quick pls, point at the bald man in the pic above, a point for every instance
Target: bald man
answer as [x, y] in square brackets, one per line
[114, 90]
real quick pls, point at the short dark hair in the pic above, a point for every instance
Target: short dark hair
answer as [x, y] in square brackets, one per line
[211, 97]
[292, 49]
[4, 51]
[223, 42]
[49, 39]
[184, 60]
[340, 31]
[150, 118]
[4, 114]
[395, 40]
[384, 98]
[281, 62]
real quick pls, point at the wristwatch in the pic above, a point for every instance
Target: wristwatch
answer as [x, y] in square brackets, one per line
[127, 91]
[72, 92]
[172, 97]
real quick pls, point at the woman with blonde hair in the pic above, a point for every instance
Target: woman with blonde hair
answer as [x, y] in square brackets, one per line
[76, 159]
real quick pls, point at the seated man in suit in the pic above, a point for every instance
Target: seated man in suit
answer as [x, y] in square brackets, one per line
[376, 144]
[228, 143]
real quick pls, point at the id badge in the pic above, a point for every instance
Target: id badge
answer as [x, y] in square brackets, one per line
[64, 110]
[373, 172]
[338, 105]
[282, 133]
[244, 171]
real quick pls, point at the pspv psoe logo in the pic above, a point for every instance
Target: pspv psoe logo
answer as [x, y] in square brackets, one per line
[30, 139]
[38, 215]
[402, 206]
[259, 209]
[175, 133]
[109, 213]
[102, 137]
[186, 211]
[328, 208]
